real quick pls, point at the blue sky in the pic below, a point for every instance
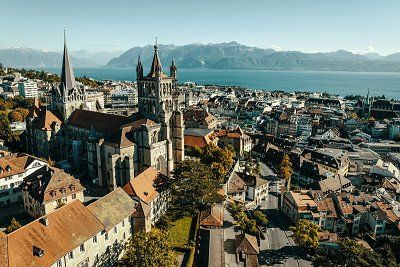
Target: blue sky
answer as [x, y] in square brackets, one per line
[305, 25]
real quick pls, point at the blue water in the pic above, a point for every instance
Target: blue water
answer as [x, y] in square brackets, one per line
[341, 83]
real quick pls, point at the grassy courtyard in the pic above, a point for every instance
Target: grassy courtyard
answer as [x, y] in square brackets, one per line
[181, 232]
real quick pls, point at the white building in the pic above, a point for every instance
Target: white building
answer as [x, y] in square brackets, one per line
[13, 170]
[28, 89]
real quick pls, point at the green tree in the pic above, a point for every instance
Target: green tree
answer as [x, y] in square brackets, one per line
[14, 225]
[387, 256]
[5, 129]
[285, 170]
[149, 250]
[305, 234]
[260, 218]
[354, 116]
[355, 254]
[193, 185]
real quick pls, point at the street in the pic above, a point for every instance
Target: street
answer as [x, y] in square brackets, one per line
[280, 249]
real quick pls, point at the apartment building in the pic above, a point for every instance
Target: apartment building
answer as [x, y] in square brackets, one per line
[14, 168]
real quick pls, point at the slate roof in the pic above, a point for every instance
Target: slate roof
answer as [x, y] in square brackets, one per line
[69, 226]
[113, 208]
[49, 184]
[68, 83]
[156, 66]
[101, 122]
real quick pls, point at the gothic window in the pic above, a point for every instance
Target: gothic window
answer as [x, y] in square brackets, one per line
[154, 137]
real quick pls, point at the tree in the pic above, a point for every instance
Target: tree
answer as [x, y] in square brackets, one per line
[305, 234]
[193, 185]
[354, 116]
[260, 218]
[285, 170]
[14, 225]
[355, 254]
[5, 129]
[387, 256]
[15, 116]
[148, 250]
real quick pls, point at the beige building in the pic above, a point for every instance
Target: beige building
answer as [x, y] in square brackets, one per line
[148, 190]
[73, 235]
[48, 189]
[240, 141]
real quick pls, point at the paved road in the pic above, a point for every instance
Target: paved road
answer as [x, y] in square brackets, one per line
[280, 249]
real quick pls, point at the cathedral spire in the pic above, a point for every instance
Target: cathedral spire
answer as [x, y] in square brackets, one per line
[173, 70]
[139, 69]
[67, 74]
[156, 68]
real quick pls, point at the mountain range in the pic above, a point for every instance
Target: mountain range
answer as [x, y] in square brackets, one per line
[22, 57]
[236, 56]
[230, 55]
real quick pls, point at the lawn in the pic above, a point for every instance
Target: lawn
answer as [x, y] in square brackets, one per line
[181, 232]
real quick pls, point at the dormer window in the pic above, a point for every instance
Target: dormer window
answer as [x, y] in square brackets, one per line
[72, 187]
[53, 193]
[8, 168]
[38, 252]
[63, 191]
[1, 170]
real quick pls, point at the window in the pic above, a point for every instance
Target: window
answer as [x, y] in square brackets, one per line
[82, 248]
[59, 263]
[124, 235]
[73, 196]
[106, 236]
[115, 229]
[71, 255]
[95, 239]
[123, 223]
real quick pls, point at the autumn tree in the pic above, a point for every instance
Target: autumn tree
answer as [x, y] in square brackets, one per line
[14, 225]
[15, 116]
[305, 234]
[149, 250]
[285, 170]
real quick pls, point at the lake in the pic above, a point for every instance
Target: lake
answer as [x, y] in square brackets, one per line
[341, 83]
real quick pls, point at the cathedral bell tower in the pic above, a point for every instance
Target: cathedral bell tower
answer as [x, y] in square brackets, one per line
[155, 102]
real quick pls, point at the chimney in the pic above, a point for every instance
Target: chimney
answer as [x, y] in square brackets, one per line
[44, 221]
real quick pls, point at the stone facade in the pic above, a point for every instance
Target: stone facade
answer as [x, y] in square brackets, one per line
[110, 149]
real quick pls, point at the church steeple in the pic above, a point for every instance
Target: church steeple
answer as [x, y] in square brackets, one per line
[173, 70]
[156, 68]
[139, 69]
[67, 74]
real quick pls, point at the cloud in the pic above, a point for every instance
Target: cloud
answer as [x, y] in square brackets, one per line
[276, 47]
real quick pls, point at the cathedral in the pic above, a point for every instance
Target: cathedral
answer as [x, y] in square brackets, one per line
[106, 148]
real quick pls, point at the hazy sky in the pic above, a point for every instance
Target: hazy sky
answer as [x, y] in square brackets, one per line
[305, 25]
